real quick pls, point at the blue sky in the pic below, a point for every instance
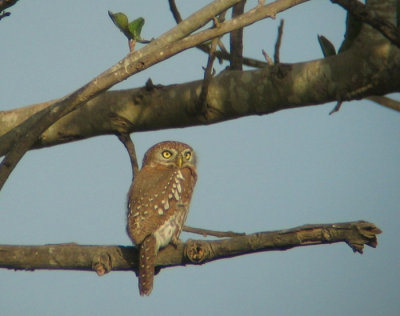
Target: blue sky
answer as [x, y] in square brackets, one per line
[290, 168]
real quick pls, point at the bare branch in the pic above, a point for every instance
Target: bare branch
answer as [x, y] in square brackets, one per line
[361, 12]
[208, 75]
[385, 101]
[278, 42]
[166, 46]
[120, 258]
[267, 58]
[336, 108]
[175, 11]
[5, 4]
[207, 232]
[29, 132]
[236, 39]
[130, 147]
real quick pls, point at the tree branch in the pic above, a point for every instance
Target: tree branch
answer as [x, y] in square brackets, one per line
[5, 4]
[126, 140]
[231, 94]
[278, 43]
[236, 39]
[385, 101]
[121, 258]
[167, 45]
[361, 12]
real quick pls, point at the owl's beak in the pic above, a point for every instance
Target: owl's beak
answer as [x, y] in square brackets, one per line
[179, 161]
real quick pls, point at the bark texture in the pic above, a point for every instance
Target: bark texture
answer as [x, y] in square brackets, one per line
[103, 259]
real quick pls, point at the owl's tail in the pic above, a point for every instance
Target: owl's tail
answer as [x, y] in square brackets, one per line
[147, 261]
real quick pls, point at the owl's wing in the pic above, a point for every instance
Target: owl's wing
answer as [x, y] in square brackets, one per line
[155, 196]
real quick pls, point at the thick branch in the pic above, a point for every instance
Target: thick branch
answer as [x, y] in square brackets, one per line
[164, 47]
[231, 94]
[5, 4]
[120, 258]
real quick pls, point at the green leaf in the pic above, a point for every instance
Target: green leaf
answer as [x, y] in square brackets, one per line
[327, 47]
[135, 28]
[121, 21]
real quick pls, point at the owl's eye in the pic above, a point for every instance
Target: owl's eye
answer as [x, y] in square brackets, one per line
[188, 154]
[166, 154]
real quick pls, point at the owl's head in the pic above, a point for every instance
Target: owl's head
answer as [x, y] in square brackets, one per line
[170, 154]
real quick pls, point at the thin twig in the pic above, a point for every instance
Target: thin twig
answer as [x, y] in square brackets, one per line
[267, 58]
[130, 147]
[175, 11]
[207, 232]
[208, 74]
[336, 108]
[223, 54]
[278, 42]
[385, 101]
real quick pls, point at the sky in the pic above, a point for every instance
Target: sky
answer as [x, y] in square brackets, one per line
[261, 173]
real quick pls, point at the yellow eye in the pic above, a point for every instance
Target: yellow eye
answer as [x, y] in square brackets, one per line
[188, 154]
[166, 154]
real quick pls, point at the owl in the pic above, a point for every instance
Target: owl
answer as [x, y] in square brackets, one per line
[158, 203]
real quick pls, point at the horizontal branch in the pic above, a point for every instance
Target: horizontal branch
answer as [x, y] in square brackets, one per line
[103, 259]
[231, 94]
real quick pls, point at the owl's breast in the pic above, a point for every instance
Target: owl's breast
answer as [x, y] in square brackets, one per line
[158, 205]
[170, 228]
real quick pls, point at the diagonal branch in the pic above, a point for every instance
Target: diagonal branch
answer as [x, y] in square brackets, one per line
[361, 12]
[121, 258]
[167, 45]
[29, 132]
[385, 101]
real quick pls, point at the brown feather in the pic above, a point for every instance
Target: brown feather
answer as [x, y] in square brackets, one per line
[147, 260]
[158, 204]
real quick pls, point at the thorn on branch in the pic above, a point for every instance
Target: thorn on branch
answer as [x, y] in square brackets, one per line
[4, 14]
[267, 58]
[336, 108]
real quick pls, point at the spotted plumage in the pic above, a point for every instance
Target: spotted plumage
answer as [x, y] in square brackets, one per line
[158, 203]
